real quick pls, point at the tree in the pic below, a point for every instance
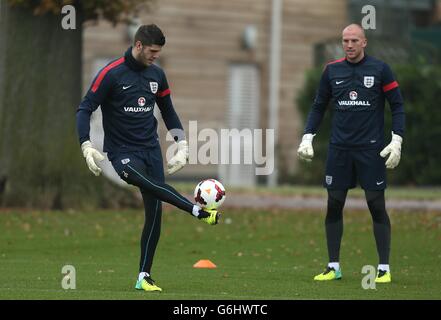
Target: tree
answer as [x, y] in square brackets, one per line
[114, 11]
[40, 88]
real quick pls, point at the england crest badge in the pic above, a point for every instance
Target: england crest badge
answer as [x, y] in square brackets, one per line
[154, 87]
[369, 81]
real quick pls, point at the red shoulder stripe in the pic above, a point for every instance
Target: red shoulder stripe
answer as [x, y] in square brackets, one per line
[103, 72]
[164, 93]
[335, 61]
[390, 86]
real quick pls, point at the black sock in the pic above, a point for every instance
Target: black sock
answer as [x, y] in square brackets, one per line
[151, 231]
[382, 227]
[334, 222]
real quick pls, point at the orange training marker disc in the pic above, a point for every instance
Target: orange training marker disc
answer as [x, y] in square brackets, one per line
[206, 264]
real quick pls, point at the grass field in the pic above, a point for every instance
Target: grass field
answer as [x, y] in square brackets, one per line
[260, 255]
[394, 192]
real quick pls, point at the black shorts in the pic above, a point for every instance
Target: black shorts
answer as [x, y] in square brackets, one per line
[346, 167]
[148, 163]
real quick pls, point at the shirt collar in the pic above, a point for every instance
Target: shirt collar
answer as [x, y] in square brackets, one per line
[359, 62]
[132, 62]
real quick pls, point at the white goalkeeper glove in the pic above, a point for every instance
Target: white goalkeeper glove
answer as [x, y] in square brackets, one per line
[92, 156]
[180, 159]
[305, 150]
[394, 149]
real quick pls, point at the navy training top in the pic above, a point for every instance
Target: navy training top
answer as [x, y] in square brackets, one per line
[127, 92]
[358, 92]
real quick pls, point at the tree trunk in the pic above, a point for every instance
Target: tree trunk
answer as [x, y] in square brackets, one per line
[41, 164]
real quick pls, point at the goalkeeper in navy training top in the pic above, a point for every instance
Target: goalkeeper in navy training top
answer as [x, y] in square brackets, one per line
[127, 90]
[358, 85]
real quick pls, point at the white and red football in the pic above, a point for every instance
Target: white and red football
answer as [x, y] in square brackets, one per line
[209, 194]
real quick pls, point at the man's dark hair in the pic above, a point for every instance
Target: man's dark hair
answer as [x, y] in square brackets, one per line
[149, 35]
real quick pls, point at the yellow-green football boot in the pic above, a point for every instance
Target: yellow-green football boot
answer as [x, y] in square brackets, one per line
[209, 216]
[383, 277]
[147, 284]
[329, 274]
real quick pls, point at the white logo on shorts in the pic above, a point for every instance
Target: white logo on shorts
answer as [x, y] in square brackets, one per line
[328, 180]
[125, 161]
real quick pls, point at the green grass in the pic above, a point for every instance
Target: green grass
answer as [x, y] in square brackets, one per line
[394, 192]
[260, 255]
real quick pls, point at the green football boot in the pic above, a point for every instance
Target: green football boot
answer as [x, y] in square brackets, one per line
[209, 216]
[147, 284]
[383, 277]
[329, 274]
